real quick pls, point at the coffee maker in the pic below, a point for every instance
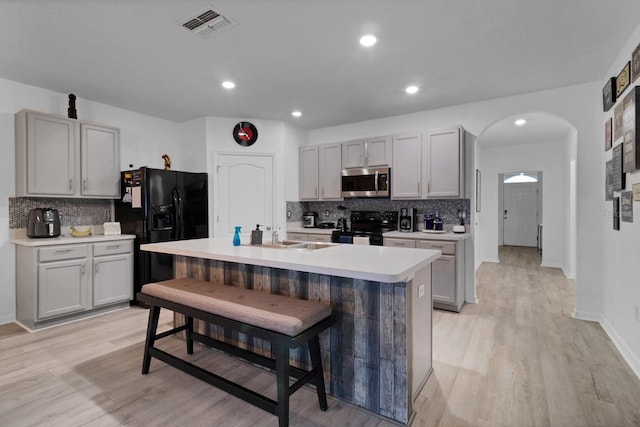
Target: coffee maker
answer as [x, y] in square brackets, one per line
[407, 220]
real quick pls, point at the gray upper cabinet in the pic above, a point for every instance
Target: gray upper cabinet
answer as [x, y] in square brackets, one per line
[51, 161]
[366, 152]
[308, 171]
[405, 171]
[319, 171]
[100, 150]
[443, 163]
[45, 155]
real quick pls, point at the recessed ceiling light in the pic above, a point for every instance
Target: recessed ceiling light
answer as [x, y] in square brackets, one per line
[228, 84]
[520, 122]
[368, 40]
[296, 114]
[412, 89]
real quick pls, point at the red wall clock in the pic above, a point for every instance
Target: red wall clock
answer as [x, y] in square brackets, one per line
[245, 133]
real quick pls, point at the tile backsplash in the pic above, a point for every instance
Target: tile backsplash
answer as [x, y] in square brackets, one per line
[448, 208]
[76, 212]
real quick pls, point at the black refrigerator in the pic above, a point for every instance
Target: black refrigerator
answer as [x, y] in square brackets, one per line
[160, 206]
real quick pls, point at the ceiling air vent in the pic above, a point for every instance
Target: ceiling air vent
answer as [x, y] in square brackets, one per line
[207, 22]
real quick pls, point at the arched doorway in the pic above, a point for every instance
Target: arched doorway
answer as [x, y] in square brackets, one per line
[545, 143]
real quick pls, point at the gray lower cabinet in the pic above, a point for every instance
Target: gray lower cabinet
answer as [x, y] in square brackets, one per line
[447, 272]
[112, 265]
[64, 282]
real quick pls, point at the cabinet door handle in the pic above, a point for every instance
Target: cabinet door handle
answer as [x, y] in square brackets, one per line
[83, 269]
[63, 251]
[322, 191]
[111, 247]
[97, 269]
[70, 185]
[84, 184]
[316, 191]
[438, 246]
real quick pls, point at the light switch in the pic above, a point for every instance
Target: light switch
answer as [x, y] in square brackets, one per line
[421, 291]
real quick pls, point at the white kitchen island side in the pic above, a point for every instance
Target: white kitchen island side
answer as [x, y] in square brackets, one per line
[378, 355]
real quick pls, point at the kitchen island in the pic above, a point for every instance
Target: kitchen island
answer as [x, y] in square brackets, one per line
[378, 354]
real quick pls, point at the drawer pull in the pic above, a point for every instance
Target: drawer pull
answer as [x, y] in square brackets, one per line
[438, 246]
[113, 247]
[63, 251]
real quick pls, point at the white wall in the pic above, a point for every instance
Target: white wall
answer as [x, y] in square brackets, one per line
[621, 249]
[546, 157]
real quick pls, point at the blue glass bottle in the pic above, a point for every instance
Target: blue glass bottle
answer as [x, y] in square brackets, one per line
[236, 237]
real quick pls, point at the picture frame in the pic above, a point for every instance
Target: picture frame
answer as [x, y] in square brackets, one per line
[617, 174]
[618, 123]
[608, 185]
[616, 213]
[630, 124]
[635, 189]
[626, 206]
[623, 80]
[635, 64]
[609, 94]
[608, 134]
[478, 189]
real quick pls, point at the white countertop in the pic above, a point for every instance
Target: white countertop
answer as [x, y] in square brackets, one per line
[375, 263]
[449, 235]
[420, 235]
[68, 239]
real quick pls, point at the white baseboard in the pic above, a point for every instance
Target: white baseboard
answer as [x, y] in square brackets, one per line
[623, 348]
[568, 275]
[625, 351]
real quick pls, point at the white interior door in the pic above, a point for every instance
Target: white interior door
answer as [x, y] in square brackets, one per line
[243, 193]
[520, 213]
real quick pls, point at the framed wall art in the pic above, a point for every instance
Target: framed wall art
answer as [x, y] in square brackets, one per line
[626, 206]
[608, 125]
[635, 189]
[630, 121]
[635, 64]
[623, 79]
[617, 122]
[617, 175]
[608, 185]
[609, 94]
[616, 213]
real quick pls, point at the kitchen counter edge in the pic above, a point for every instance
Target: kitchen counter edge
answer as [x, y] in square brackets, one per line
[67, 240]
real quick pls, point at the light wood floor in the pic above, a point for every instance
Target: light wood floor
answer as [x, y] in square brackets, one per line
[517, 358]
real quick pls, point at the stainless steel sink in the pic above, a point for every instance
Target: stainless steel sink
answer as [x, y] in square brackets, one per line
[292, 244]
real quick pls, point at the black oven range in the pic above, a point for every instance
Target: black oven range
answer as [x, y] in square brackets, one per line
[369, 224]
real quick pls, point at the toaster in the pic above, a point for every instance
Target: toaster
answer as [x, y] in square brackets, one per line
[43, 222]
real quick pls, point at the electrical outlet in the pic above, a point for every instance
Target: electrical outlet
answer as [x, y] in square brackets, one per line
[289, 213]
[421, 291]
[636, 312]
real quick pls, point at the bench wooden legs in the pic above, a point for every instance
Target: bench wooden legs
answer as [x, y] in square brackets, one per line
[189, 335]
[316, 363]
[154, 315]
[281, 354]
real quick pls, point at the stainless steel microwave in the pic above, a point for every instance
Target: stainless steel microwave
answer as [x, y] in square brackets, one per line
[366, 182]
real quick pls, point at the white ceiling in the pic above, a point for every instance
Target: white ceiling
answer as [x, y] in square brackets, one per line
[304, 54]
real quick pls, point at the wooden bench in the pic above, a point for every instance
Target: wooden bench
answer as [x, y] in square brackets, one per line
[286, 322]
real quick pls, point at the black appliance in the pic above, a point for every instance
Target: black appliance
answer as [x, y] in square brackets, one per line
[407, 220]
[43, 222]
[367, 182]
[160, 206]
[367, 224]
